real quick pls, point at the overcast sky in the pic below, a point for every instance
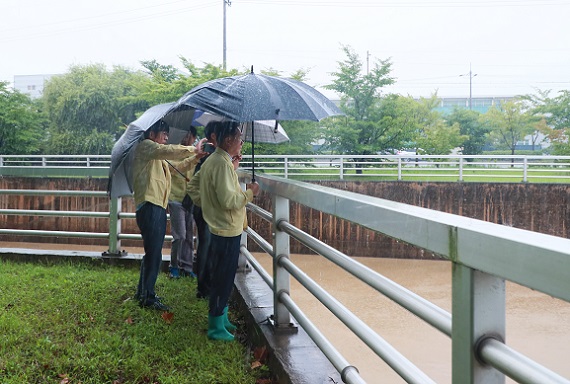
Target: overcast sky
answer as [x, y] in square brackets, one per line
[513, 46]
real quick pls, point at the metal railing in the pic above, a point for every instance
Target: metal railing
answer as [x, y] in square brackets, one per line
[513, 168]
[114, 236]
[482, 253]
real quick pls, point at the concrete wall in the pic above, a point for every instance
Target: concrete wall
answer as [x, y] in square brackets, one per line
[536, 207]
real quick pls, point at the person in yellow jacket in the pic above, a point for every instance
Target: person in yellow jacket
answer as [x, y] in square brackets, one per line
[181, 226]
[223, 206]
[152, 180]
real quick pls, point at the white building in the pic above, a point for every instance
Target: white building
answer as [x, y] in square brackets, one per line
[32, 85]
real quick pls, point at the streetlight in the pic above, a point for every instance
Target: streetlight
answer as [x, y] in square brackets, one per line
[471, 76]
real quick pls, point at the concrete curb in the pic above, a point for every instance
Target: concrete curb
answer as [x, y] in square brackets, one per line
[293, 357]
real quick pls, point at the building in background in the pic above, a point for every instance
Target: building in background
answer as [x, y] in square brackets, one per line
[31, 85]
[479, 104]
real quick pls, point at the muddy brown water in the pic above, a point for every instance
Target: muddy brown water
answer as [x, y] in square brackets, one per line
[538, 326]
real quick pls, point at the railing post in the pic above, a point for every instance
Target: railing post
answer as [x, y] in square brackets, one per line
[286, 167]
[114, 228]
[525, 169]
[243, 266]
[461, 168]
[341, 168]
[281, 278]
[399, 168]
[478, 311]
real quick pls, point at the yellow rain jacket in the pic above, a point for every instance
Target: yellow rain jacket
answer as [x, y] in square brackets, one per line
[221, 197]
[151, 173]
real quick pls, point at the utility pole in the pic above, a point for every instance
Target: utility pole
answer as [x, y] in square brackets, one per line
[367, 62]
[471, 76]
[228, 2]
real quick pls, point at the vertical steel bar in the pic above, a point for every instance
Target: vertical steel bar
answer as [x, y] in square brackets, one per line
[281, 278]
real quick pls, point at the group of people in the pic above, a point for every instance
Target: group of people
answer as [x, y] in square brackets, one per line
[180, 177]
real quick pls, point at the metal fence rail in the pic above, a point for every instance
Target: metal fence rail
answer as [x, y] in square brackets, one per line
[482, 253]
[515, 168]
[114, 215]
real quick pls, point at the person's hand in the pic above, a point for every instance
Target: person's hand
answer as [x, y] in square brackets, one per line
[235, 161]
[199, 148]
[254, 188]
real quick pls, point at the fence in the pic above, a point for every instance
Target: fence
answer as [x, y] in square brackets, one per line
[482, 253]
[513, 168]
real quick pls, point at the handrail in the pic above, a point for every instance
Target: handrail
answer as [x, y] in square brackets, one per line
[114, 215]
[482, 251]
[516, 168]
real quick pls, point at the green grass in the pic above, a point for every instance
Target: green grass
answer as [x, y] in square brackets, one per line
[76, 322]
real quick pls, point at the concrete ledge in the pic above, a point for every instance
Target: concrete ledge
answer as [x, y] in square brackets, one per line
[35, 255]
[293, 357]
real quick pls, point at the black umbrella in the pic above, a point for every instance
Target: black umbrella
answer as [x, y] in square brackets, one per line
[259, 97]
[120, 171]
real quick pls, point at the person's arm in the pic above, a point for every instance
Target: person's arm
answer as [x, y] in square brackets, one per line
[229, 193]
[194, 189]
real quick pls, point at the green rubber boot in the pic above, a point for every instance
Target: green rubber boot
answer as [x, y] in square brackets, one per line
[229, 326]
[216, 329]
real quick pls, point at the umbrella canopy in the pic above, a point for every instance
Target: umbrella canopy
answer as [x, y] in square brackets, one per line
[120, 171]
[254, 97]
[265, 131]
[260, 97]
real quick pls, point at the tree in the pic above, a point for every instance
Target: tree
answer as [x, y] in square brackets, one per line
[509, 123]
[555, 115]
[359, 92]
[440, 139]
[86, 108]
[22, 124]
[361, 133]
[472, 128]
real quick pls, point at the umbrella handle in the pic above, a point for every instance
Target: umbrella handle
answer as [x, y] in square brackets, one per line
[252, 149]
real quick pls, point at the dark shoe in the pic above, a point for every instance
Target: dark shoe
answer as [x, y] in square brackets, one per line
[156, 305]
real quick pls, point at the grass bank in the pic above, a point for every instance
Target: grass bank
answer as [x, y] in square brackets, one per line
[76, 322]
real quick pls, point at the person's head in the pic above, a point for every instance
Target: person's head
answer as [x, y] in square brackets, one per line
[190, 137]
[209, 132]
[228, 136]
[158, 132]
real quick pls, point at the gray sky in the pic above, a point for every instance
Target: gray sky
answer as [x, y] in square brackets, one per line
[513, 46]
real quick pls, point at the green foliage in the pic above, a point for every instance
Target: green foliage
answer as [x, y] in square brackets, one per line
[472, 128]
[509, 123]
[440, 139]
[366, 129]
[22, 123]
[86, 107]
[359, 92]
[555, 118]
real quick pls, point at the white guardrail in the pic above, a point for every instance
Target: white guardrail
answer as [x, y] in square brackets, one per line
[514, 168]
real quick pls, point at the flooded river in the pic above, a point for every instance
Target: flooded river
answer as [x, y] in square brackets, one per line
[537, 325]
